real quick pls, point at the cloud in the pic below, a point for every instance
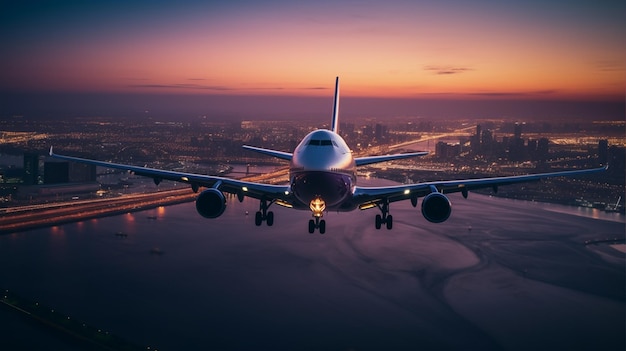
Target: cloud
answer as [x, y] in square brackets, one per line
[609, 65]
[195, 86]
[182, 86]
[532, 93]
[446, 70]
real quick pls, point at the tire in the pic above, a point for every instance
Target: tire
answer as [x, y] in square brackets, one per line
[322, 226]
[379, 221]
[389, 222]
[311, 226]
[270, 219]
[258, 218]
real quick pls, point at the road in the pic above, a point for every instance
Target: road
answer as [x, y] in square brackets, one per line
[35, 216]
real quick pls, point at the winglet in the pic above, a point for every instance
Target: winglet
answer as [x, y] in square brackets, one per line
[335, 123]
[51, 153]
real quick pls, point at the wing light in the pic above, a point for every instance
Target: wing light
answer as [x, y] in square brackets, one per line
[283, 203]
[367, 206]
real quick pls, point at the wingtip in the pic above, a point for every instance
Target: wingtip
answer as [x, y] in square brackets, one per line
[51, 153]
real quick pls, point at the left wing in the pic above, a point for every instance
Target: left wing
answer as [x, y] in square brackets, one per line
[361, 161]
[233, 186]
[372, 195]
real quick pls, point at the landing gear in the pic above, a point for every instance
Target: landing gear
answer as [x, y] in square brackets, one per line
[317, 206]
[385, 217]
[317, 224]
[264, 215]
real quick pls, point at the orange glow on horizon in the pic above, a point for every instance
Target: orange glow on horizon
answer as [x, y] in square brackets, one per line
[406, 50]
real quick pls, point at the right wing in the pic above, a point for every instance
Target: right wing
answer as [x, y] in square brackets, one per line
[233, 186]
[366, 196]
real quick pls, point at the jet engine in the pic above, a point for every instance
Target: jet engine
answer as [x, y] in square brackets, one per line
[436, 207]
[211, 203]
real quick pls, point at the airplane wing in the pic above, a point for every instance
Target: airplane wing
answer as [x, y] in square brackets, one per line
[278, 154]
[366, 196]
[361, 161]
[233, 186]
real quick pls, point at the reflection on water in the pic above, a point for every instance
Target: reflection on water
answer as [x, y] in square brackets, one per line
[584, 212]
[161, 211]
[227, 284]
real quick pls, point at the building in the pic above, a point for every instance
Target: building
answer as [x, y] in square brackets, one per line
[80, 173]
[31, 168]
[445, 151]
[543, 149]
[56, 172]
[603, 151]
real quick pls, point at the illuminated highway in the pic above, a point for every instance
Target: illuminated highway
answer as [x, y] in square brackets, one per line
[462, 132]
[33, 216]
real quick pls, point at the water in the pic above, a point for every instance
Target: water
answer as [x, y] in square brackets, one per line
[228, 284]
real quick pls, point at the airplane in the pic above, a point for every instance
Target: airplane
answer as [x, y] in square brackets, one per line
[322, 178]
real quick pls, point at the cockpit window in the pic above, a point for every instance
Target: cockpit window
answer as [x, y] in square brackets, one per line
[318, 142]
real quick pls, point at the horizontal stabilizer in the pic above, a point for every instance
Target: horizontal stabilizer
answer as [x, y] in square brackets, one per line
[361, 161]
[278, 154]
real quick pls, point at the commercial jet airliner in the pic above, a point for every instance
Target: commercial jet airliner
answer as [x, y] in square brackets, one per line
[322, 178]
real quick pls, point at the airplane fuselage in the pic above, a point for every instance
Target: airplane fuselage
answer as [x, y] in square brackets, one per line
[322, 172]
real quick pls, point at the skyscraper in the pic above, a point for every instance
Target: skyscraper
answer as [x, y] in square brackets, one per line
[31, 168]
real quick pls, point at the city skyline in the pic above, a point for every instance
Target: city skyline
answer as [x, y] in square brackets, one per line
[480, 54]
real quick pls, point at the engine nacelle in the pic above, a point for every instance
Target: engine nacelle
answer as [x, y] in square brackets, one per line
[436, 207]
[211, 203]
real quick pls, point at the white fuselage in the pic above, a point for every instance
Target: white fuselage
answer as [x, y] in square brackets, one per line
[323, 168]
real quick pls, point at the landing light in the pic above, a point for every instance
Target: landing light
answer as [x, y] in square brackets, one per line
[407, 192]
[245, 188]
[184, 179]
[317, 206]
[286, 192]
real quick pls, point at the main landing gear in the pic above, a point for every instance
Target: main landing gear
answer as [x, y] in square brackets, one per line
[385, 217]
[317, 224]
[263, 214]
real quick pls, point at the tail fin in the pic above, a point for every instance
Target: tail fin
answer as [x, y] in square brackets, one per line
[335, 123]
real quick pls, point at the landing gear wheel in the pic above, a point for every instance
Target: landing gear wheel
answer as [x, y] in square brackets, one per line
[263, 214]
[379, 221]
[322, 226]
[311, 226]
[270, 219]
[258, 218]
[384, 217]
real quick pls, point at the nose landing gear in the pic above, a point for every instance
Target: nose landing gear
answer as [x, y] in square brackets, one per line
[317, 224]
[317, 206]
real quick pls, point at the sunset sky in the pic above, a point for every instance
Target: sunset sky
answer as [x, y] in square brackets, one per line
[554, 50]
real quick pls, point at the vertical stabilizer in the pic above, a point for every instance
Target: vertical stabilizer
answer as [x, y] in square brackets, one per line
[334, 126]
